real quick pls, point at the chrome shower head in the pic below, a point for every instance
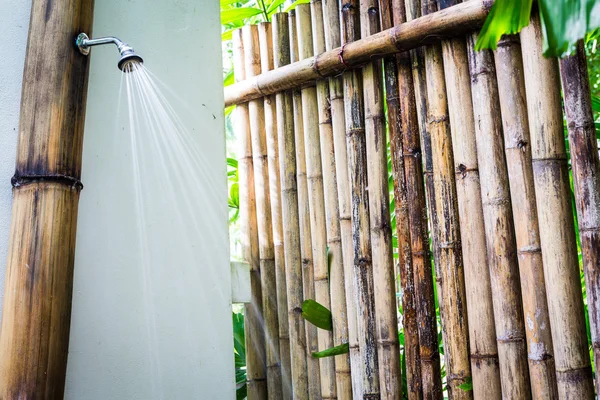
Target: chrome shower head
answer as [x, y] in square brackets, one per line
[128, 55]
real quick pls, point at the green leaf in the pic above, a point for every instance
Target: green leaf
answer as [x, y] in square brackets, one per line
[296, 3]
[226, 3]
[596, 103]
[334, 351]
[229, 78]
[468, 385]
[237, 14]
[274, 7]
[227, 35]
[317, 314]
[232, 162]
[505, 17]
[234, 196]
[564, 22]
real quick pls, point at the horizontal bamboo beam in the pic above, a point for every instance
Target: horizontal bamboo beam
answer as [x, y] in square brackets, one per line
[452, 21]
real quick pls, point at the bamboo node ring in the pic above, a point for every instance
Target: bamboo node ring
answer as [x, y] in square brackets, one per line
[341, 55]
[22, 180]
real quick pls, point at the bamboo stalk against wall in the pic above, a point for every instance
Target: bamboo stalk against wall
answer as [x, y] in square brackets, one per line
[454, 21]
[483, 347]
[405, 261]
[263, 217]
[421, 263]
[453, 309]
[498, 219]
[255, 339]
[384, 278]
[290, 217]
[559, 252]
[332, 213]
[511, 89]
[331, 13]
[314, 374]
[586, 181]
[316, 199]
[357, 166]
[266, 61]
[41, 251]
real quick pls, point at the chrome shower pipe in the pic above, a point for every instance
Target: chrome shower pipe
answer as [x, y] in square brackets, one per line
[128, 54]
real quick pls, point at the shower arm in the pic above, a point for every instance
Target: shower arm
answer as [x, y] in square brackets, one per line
[128, 54]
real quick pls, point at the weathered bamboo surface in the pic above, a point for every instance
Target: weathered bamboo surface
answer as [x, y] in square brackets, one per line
[313, 369]
[267, 62]
[254, 331]
[557, 235]
[38, 286]
[511, 90]
[357, 165]
[586, 179]
[500, 235]
[290, 218]
[384, 284]
[450, 22]
[256, 109]
[477, 155]
[332, 213]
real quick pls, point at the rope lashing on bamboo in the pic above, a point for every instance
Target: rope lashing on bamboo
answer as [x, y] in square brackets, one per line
[450, 22]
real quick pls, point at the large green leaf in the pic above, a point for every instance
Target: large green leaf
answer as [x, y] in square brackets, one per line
[237, 14]
[334, 351]
[506, 17]
[565, 22]
[296, 3]
[317, 314]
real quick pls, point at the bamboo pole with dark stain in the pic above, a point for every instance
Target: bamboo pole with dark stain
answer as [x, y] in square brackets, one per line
[290, 217]
[41, 250]
[403, 232]
[316, 199]
[331, 14]
[417, 56]
[511, 90]
[357, 167]
[313, 368]
[557, 237]
[255, 339]
[266, 61]
[263, 216]
[498, 219]
[384, 277]
[480, 312]
[455, 328]
[451, 22]
[586, 181]
[421, 264]
[332, 213]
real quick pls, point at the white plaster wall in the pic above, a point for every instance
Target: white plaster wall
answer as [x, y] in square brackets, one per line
[159, 326]
[14, 26]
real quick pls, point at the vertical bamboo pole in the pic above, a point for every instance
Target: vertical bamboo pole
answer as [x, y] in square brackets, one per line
[403, 232]
[386, 322]
[290, 217]
[586, 181]
[266, 61]
[483, 347]
[263, 217]
[39, 271]
[331, 13]
[511, 90]
[316, 199]
[314, 374]
[453, 309]
[559, 252]
[498, 219]
[417, 56]
[255, 340]
[421, 263]
[332, 213]
[357, 166]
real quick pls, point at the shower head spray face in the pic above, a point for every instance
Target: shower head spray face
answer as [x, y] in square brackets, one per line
[128, 54]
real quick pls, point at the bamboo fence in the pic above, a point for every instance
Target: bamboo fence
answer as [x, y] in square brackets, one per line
[479, 168]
